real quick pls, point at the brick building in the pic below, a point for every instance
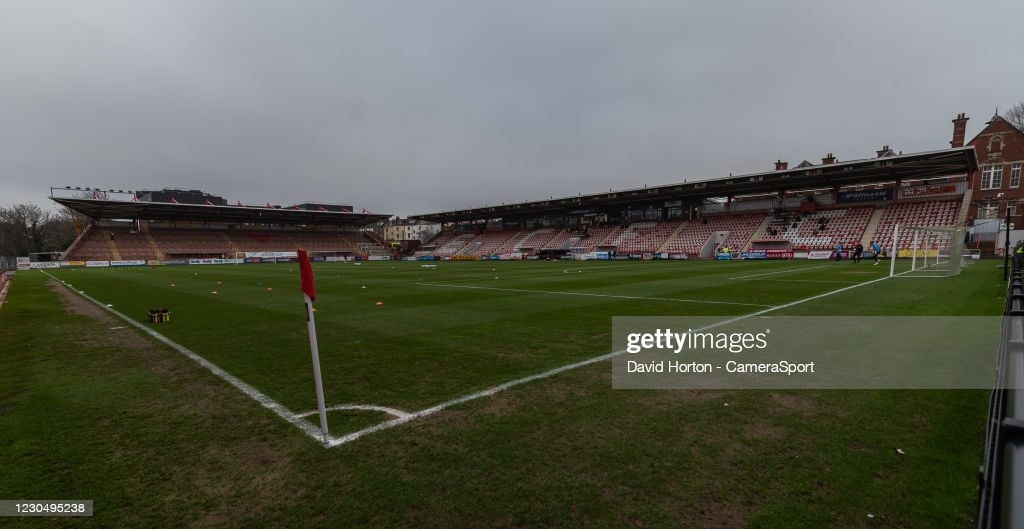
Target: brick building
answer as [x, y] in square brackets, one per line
[996, 185]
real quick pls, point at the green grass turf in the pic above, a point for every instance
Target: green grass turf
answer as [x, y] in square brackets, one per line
[156, 440]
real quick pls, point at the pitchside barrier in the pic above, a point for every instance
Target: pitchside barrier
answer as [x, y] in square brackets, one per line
[927, 251]
[1001, 476]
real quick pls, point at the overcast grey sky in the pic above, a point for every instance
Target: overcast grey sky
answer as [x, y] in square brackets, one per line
[416, 106]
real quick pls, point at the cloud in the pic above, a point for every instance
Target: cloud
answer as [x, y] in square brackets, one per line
[412, 107]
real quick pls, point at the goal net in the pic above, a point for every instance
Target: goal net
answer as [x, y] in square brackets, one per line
[927, 251]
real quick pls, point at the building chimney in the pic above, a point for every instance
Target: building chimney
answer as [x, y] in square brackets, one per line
[883, 151]
[828, 160]
[959, 130]
[781, 165]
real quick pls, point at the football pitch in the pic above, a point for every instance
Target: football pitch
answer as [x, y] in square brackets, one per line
[470, 394]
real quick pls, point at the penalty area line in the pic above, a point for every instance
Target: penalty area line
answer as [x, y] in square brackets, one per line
[788, 271]
[591, 294]
[824, 281]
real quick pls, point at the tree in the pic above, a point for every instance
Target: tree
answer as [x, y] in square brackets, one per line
[1015, 115]
[26, 228]
[60, 230]
[19, 229]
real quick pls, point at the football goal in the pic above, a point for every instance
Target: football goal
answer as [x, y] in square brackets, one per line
[927, 251]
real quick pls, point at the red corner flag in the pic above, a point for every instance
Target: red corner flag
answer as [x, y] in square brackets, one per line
[307, 275]
[310, 293]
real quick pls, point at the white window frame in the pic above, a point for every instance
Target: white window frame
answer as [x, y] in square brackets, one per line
[992, 177]
[1015, 175]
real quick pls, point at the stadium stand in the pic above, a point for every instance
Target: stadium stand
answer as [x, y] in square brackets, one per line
[489, 242]
[925, 213]
[527, 241]
[695, 235]
[562, 240]
[818, 231]
[454, 245]
[588, 239]
[815, 231]
[102, 243]
[94, 244]
[809, 207]
[429, 248]
[644, 237]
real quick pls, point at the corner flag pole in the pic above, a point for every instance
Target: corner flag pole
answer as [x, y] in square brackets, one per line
[309, 294]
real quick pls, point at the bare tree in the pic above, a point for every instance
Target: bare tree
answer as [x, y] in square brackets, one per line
[20, 229]
[61, 229]
[26, 228]
[1015, 115]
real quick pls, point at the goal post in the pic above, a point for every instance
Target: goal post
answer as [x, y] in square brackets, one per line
[928, 251]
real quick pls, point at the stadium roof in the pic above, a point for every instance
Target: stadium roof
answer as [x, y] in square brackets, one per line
[887, 168]
[97, 208]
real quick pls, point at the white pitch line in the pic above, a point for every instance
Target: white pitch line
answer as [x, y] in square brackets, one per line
[3, 293]
[250, 391]
[590, 294]
[811, 281]
[465, 398]
[800, 301]
[540, 274]
[362, 407]
[401, 416]
[789, 271]
[593, 268]
[519, 381]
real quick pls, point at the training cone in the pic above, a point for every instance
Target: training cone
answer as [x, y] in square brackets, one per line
[380, 302]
